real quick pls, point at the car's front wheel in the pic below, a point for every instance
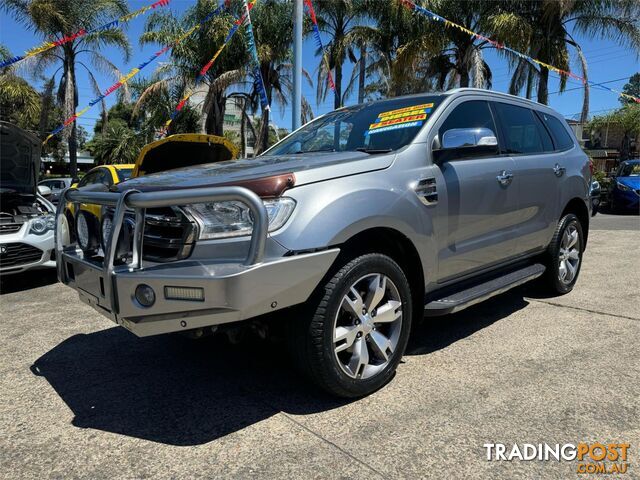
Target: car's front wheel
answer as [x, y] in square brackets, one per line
[357, 328]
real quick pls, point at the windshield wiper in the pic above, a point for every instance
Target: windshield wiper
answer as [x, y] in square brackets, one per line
[373, 151]
[313, 151]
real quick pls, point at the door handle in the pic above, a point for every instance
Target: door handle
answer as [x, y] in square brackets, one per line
[558, 170]
[505, 178]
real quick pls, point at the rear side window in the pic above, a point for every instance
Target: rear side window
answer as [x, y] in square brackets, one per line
[561, 137]
[521, 129]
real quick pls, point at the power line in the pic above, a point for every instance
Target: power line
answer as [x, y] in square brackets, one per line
[593, 85]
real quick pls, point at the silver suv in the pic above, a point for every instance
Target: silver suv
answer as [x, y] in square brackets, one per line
[355, 226]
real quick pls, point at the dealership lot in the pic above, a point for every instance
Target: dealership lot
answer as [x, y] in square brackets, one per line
[82, 398]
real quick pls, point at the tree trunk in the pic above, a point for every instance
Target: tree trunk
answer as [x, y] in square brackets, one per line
[70, 105]
[464, 76]
[337, 97]
[243, 131]
[361, 76]
[263, 142]
[215, 118]
[543, 90]
[45, 109]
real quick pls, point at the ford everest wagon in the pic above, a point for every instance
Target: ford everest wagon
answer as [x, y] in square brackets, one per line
[364, 220]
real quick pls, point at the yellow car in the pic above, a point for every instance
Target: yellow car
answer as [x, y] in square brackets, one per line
[107, 175]
[174, 151]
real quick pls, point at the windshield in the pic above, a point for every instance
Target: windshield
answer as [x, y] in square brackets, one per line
[376, 128]
[124, 173]
[630, 170]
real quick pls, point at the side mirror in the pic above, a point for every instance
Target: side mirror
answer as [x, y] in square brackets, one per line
[44, 191]
[468, 137]
[463, 143]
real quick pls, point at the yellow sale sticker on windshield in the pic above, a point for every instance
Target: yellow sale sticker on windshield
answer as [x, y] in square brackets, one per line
[406, 109]
[394, 121]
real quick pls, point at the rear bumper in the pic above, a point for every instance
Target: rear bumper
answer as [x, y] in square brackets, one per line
[231, 291]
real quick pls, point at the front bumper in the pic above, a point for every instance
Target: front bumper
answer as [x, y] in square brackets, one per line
[627, 199]
[230, 291]
[21, 251]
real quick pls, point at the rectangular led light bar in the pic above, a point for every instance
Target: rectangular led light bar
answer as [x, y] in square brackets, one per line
[191, 294]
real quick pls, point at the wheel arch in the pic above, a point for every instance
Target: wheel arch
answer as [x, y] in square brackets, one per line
[578, 207]
[397, 246]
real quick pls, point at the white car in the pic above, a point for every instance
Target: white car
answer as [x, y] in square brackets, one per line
[27, 219]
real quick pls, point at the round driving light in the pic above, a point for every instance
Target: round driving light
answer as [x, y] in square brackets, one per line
[82, 231]
[107, 225]
[86, 231]
[145, 295]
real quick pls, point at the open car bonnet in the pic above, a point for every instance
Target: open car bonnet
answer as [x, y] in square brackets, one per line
[183, 150]
[19, 160]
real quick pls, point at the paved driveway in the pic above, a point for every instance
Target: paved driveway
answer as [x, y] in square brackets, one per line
[81, 398]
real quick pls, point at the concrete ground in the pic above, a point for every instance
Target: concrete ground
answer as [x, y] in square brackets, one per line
[84, 399]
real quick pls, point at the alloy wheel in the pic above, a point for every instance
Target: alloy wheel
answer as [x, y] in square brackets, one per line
[367, 326]
[569, 255]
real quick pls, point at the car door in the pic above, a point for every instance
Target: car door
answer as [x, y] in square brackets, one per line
[530, 146]
[477, 204]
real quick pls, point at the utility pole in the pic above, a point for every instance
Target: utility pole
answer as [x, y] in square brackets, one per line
[297, 64]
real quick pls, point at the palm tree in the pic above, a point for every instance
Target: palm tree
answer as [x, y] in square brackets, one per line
[551, 27]
[398, 45]
[273, 31]
[188, 57]
[55, 20]
[19, 101]
[336, 18]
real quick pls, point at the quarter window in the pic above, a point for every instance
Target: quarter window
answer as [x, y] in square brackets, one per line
[520, 129]
[561, 137]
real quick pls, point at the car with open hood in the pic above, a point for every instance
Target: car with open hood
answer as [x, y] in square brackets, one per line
[352, 228]
[26, 217]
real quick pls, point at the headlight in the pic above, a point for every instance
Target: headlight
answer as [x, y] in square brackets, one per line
[234, 219]
[623, 187]
[42, 225]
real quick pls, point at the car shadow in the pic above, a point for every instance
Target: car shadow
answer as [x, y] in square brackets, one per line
[19, 282]
[176, 391]
[436, 333]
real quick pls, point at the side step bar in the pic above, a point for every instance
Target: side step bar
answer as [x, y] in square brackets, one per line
[479, 292]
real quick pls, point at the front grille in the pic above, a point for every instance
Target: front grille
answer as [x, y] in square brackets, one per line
[16, 254]
[168, 235]
[9, 228]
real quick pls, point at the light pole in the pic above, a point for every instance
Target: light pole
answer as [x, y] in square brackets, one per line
[297, 64]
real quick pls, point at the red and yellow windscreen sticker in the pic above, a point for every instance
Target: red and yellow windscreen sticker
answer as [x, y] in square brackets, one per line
[406, 117]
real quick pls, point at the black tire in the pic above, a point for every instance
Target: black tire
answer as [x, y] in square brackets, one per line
[553, 272]
[310, 335]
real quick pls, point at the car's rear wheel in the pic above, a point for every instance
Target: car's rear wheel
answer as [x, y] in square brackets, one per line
[564, 254]
[358, 327]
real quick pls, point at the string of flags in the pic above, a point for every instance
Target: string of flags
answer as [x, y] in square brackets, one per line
[203, 71]
[46, 46]
[253, 51]
[448, 23]
[318, 40]
[133, 72]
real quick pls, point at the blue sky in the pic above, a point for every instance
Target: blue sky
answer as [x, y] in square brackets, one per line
[607, 61]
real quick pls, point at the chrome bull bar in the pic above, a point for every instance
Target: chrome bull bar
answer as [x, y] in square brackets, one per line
[139, 202]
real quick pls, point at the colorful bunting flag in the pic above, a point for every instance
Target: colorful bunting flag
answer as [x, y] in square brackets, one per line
[253, 50]
[203, 71]
[82, 32]
[318, 40]
[132, 73]
[448, 23]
